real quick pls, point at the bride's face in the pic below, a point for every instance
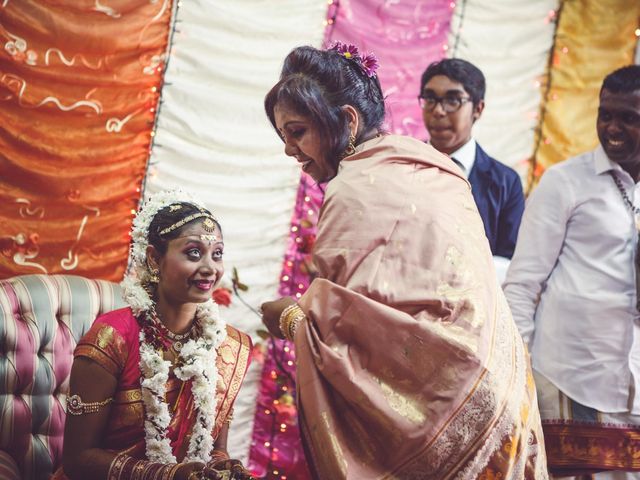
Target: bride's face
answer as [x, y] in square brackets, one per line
[192, 266]
[303, 141]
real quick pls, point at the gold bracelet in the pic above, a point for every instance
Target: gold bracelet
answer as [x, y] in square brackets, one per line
[297, 316]
[283, 318]
[289, 320]
[75, 405]
[171, 473]
[195, 474]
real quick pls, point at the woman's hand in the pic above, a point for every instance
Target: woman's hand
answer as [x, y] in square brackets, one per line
[190, 471]
[271, 312]
[227, 469]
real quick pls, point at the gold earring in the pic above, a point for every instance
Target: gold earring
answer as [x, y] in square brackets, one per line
[155, 276]
[351, 148]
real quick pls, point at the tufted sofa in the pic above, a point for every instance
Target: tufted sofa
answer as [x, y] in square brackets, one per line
[42, 317]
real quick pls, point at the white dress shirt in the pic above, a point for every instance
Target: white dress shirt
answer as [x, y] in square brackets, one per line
[575, 253]
[466, 156]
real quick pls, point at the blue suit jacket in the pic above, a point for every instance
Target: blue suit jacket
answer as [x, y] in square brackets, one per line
[497, 190]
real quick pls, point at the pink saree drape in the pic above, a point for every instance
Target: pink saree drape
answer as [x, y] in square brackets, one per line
[410, 365]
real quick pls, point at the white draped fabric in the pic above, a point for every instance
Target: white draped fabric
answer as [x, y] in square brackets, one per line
[510, 41]
[214, 140]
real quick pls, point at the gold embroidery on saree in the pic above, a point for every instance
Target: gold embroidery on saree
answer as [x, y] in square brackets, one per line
[400, 404]
[128, 396]
[104, 345]
[105, 336]
[233, 359]
[335, 444]
[98, 356]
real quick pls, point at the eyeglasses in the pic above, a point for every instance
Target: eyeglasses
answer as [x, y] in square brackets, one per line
[449, 104]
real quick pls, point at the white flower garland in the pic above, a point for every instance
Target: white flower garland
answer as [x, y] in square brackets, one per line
[196, 361]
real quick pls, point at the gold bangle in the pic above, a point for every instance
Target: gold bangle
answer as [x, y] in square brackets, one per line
[171, 473]
[289, 320]
[75, 405]
[195, 474]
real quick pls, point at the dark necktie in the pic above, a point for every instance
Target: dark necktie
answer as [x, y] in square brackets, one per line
[459, 163]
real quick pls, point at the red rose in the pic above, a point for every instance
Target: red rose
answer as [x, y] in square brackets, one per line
[308, 241]
[222, 296]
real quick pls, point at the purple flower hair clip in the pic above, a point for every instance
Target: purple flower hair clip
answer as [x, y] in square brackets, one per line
[368, 64]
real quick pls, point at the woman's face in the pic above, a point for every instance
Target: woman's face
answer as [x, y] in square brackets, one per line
[303, 141]
[192, 265]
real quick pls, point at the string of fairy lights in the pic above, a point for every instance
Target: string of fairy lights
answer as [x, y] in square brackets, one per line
[276, 412]
[155, 106]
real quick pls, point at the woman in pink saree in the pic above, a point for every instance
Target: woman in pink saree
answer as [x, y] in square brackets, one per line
[409, 365]
[153, 385]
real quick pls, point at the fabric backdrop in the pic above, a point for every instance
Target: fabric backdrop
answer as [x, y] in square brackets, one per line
[78, 86]
[84, 104]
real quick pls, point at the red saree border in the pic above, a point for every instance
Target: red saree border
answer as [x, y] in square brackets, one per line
[581, 448]
[240, 346]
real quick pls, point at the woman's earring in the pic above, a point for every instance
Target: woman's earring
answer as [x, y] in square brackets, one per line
[351, 148]
[155, 276]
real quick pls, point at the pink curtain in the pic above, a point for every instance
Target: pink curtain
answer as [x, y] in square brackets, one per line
[276, 448]
[406, 36]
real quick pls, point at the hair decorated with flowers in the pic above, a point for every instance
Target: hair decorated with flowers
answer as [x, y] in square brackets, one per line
[318, 84]
[367, 63]
[181, 205]
[159, 220]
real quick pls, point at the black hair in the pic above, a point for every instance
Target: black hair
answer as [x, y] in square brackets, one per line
[168, 216]
[623, 80]
[460, 71]
[317, 84]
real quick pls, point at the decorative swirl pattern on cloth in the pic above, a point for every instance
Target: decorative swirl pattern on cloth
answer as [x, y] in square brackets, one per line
[79, 90]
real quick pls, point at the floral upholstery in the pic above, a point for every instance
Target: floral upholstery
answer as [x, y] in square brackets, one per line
[42, 317]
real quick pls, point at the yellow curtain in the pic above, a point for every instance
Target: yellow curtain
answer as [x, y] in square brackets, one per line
[79, 86]
[593, 38]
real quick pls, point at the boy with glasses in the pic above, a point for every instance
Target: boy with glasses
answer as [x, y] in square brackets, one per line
[452, 99]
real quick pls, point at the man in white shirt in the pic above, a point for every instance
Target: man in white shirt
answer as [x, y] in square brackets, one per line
[571, 287]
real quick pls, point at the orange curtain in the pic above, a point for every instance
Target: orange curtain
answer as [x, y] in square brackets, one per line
[79, 87]
[593, 38]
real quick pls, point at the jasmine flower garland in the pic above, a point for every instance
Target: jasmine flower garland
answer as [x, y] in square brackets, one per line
[196, 360]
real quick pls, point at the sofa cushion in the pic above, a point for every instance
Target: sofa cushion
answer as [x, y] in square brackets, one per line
[42, 317]
[8, 468]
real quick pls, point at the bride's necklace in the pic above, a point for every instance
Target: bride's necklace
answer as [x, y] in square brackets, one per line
[168, 339]
[196, 362]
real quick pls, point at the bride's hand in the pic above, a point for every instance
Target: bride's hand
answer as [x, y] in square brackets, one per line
[189, 471]
[271, 312]
[227, 469]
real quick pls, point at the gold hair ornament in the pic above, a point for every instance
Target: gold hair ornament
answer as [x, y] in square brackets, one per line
[208, 223]
[75, 405]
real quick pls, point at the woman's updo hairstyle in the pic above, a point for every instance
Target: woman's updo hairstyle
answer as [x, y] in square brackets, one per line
[170, 215]
[317, 84]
